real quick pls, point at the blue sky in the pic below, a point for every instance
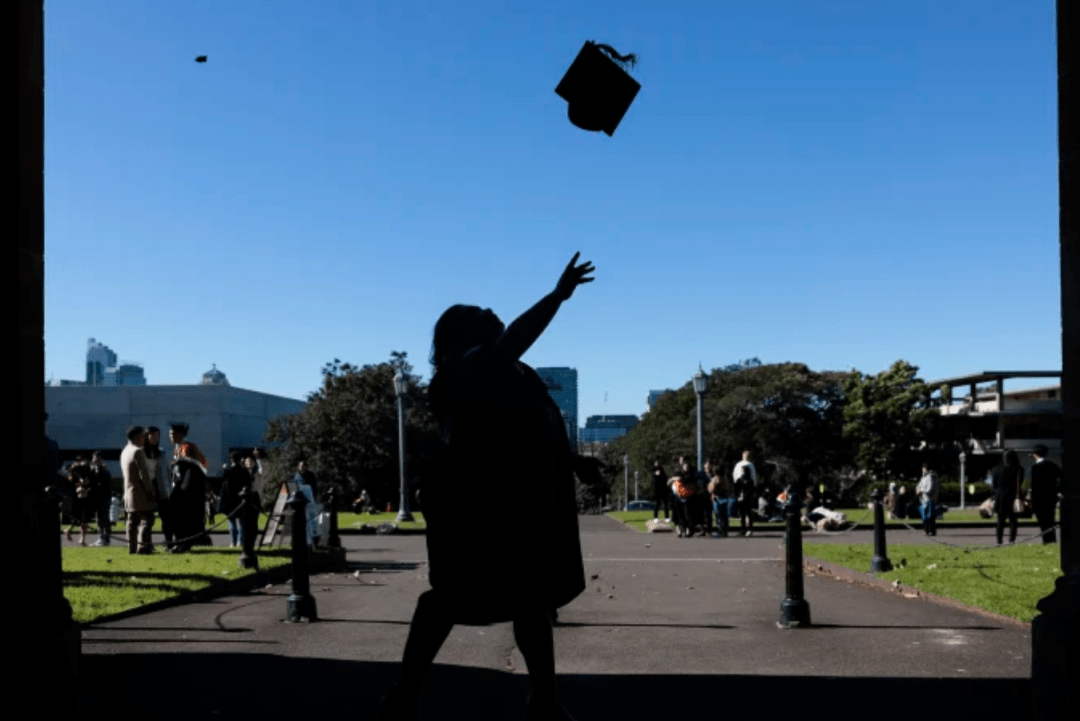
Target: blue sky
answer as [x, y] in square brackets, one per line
[837, 183]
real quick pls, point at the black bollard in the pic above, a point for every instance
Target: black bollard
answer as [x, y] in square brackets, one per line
[794, 610]
[334, 541]
[300, 604]
[249, 528]
[880, 562]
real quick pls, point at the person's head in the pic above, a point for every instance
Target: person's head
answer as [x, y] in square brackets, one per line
[460, 328]
[137, 435]
[1011, 459]
[79, 460]
[925, 469]
[746, 455]
[302, 465]
[96, 458]
[656, 463]
[236, 458]
[249, 463]
[153, 435]
[1041, 451]
[178, 432]
[255, 454]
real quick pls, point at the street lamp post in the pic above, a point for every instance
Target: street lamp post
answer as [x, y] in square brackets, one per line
[700, 384]
[626, 482]
[963, 477]
[635, 485]
[399, 390]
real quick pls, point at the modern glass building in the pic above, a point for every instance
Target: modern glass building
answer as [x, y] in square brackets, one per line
[604, 429]
[563, 387]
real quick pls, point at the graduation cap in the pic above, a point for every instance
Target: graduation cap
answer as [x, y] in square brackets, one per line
[201, 59]
[596, 88]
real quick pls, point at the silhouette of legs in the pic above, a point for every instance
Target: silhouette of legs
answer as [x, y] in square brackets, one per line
[532, 631]
[429, 630]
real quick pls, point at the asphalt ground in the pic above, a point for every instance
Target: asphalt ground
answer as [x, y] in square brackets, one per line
[667, 626]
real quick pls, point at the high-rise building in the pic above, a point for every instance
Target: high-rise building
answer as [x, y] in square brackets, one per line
[604, 429]
[562, 385]
[127, 373]
[654, 396]
[99, 358]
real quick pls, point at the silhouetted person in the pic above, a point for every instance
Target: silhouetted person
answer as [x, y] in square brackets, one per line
[1007, 479]
[1046, 482]
[660, 491]
[480, 387]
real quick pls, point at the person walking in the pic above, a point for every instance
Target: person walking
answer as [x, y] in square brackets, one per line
[1046, 480]
[480, 386]
[745, 476]
[1007, 478]
[139, 493]
[101, 493]
[83, 502]
[660, 491]
[928, 495]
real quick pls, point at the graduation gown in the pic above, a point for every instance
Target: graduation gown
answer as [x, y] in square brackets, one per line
[506, 444]
[187, 502]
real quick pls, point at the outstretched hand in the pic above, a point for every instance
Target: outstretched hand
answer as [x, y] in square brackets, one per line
[573, 276]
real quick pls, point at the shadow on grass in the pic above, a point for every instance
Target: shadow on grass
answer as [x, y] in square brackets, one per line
[265, 685]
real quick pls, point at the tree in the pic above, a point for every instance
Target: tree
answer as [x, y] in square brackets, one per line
[887, 418]
[788, 416]
[349, 431]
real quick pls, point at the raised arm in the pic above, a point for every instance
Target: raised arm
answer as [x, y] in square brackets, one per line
[523, 332]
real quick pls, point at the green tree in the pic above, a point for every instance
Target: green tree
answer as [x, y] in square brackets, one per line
[349, 431]
[888, 417]
[789, 417]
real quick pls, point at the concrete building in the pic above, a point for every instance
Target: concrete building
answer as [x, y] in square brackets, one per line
[84, 418]
[563, 387]
[605, 429]
[988, 420]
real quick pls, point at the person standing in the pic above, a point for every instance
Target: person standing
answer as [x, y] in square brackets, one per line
[1046, 480]
[139, 493]
[745, 476]
[928, 495]
[158, 470]
[305, 484]
[718, 491]
[661, 494]
[83, 506]
[187, 503]
[101, 493]
[234, 487]
[1007, 478]
[479, 387]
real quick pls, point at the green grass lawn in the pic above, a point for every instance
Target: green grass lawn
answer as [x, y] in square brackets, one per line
[103, 581]
[637, 519]
[1008, 581]
[345, 520]
[350, 520]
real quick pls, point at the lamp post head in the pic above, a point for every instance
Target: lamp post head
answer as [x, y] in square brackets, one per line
[701, 381]
[399, 384]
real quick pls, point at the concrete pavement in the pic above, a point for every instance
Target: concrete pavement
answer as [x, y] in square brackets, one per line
[682, 627]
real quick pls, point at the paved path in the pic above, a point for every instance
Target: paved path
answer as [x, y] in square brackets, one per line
[680, 627]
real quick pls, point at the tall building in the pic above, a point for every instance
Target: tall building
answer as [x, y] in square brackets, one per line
[127, 373]
[605, 429]
[562, 385]
[99, 358]
[654, 396]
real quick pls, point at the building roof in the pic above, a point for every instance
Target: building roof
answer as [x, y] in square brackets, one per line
[985, 376]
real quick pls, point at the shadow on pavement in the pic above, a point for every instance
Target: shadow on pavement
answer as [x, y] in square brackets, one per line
[246, 684]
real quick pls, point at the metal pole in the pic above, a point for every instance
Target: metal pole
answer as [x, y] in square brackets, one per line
[794, 610]
[403, 508]
[626, 483]
[635, 485]
[700, 444]
[963, 479]
[300, 604]
[880, 562]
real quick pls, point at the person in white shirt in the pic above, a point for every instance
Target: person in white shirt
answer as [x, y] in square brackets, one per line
[745, 476]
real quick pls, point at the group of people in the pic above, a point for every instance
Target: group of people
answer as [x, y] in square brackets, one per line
[173, 486]
[705, 502]
[1008, 502]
